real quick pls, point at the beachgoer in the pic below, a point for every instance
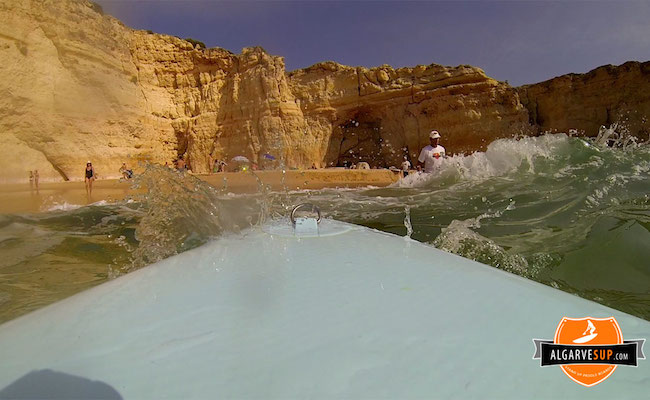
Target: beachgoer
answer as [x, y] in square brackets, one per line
[31, 180]
[90, 176]
[180, 164]
[406, 166]
[220, 166]
[126, 172]
[36, 179]
[431, 155]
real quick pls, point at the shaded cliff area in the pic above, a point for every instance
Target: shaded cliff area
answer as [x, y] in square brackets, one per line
[78, 85]
[604, 96]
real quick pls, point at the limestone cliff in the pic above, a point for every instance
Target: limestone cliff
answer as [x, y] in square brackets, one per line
[77, 85]
[584, 102]
[69, 92]
[381, 114]
[221, 105]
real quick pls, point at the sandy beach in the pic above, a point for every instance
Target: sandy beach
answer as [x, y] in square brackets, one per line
[19, 198]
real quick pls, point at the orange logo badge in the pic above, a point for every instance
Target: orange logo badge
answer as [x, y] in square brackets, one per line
[588, 349]
[601, 331]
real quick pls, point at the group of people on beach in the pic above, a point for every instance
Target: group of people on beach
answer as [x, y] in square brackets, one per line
[219, 166]
[428, 161]
[90, 175]
[126, 172]
[33, 179]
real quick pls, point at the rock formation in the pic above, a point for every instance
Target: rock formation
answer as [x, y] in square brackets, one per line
[381, 114]
[77, 85]
[69, 93]
[584, 102]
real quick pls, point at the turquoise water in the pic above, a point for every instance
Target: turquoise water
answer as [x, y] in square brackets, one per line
[568, 212]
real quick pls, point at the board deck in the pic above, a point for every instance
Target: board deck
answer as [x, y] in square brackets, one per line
[351, 312]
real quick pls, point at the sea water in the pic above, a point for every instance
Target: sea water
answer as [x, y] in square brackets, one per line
[570, 212]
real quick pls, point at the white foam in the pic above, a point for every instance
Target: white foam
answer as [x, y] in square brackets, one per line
[501, 157]
[65, 206]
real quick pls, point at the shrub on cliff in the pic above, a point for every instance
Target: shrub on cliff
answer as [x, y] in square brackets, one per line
[196, 42]
[97, 7]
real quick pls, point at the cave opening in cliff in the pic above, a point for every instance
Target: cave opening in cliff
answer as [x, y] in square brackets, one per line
[357, 139]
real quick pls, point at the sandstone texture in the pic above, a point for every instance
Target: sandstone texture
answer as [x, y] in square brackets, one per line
[77, 85]
[584, 102]
[67, 92]
[379, 115]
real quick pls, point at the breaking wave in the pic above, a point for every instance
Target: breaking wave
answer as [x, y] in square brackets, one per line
[461, 238]
[180, 212]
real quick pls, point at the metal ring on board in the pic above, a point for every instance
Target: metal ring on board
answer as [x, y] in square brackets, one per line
[303, 205]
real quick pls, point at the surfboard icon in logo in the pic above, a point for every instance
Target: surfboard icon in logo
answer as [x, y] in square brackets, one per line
[587, 337]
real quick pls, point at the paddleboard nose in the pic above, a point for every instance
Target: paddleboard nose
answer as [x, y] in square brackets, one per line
[309, 225]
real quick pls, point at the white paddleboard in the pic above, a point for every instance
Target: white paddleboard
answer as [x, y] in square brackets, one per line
[348, 312]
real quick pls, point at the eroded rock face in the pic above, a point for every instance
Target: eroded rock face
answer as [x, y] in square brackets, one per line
[584, 102]
[221, 105]
[381, 114]
[77, 85]
[218, 105]
[69, 93]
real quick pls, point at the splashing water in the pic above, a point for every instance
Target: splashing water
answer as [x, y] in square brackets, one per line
[460, 238]
[407, 222]
[181, 212]
[557, 209]
[569, 212]
[617, 136]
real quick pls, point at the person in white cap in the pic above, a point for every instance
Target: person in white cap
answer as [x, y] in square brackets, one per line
[431, 155]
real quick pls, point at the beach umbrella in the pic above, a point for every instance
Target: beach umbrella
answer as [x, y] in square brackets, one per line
[240, 159]
[269, 157]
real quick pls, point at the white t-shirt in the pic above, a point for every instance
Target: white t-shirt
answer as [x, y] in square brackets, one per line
[431, 157]
[406, 165]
